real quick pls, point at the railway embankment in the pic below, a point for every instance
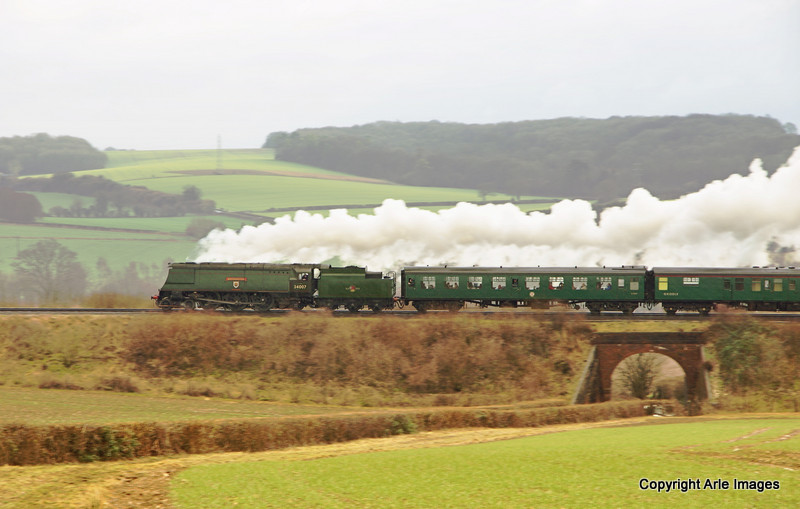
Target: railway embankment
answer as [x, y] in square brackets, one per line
[382, 376]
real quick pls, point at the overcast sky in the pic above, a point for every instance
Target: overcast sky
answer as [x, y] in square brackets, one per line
[167, 74]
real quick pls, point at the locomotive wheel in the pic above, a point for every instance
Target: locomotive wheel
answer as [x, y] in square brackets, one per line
[376, 308]
[189, 305]
[264, 303]
[353, 307]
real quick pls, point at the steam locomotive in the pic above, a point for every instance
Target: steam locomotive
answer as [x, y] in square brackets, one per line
[262, 286]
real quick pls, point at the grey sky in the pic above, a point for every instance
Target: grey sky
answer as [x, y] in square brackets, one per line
[148, 74]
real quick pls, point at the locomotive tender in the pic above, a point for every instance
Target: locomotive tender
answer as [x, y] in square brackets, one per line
[262, 286]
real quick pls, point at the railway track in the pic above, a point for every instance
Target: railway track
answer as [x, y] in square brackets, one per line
[638, 316]
[77, 311]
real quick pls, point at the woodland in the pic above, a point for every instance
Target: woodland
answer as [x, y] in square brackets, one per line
[599, 159]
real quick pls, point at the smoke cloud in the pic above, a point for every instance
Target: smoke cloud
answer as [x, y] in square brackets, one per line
[737, 222]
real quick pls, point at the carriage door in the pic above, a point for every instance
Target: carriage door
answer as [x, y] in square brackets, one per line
[738, 289]
[727, 290]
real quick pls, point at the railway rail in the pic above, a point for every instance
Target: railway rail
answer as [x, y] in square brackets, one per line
[636, 316]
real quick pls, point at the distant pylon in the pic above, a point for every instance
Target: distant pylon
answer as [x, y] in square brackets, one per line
[219, 152]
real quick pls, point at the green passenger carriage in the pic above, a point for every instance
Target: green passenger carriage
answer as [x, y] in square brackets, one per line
[701, 289]
[618, 289]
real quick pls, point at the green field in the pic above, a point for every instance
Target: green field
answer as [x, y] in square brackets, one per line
[118, 247]
[50, 200]
[246, 180]
[172, 225]
[583, 468]
[39, 407]
[253, 181]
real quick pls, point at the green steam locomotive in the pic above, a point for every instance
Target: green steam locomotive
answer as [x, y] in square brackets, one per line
[264, 286]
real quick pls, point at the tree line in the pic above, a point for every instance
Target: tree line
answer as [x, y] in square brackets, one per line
[110, 199]
[48, 273]
[42, 153]
[570, 157]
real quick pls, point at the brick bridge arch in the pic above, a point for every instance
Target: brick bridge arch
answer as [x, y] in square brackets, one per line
[610, 349]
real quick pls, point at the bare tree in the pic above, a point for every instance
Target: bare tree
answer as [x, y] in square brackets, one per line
[637, 373]
[50, 272]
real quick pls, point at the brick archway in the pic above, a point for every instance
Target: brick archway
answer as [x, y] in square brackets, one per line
[610, 349]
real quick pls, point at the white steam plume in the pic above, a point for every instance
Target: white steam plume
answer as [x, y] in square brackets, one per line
[728, 223]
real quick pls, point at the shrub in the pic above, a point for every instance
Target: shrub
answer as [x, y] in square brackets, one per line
[29, 445]
[119, 383]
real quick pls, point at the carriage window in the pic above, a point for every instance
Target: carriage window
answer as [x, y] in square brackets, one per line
[739, 286]
[792, 285]
[531, 283]
[580, 283]
[451, 282]
[498, 282]
[556, 282]
[756, 285]
[778, 287]
[428, 282]
[475, 283]
[663, 284]
[411, 281]
[691, 281]
[766, 284]
[635, 285]
[514, 282]
[726, 284]
[621, 283]
[604, 283]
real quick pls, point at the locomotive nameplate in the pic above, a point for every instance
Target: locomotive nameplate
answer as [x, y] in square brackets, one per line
[236, 281]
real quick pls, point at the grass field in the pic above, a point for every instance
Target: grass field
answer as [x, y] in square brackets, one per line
[118, 247]
[246, 180]
[253, 181]
[574, 465]
[584, 468]
[50, 200]
[172, 225]
[36, 406]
